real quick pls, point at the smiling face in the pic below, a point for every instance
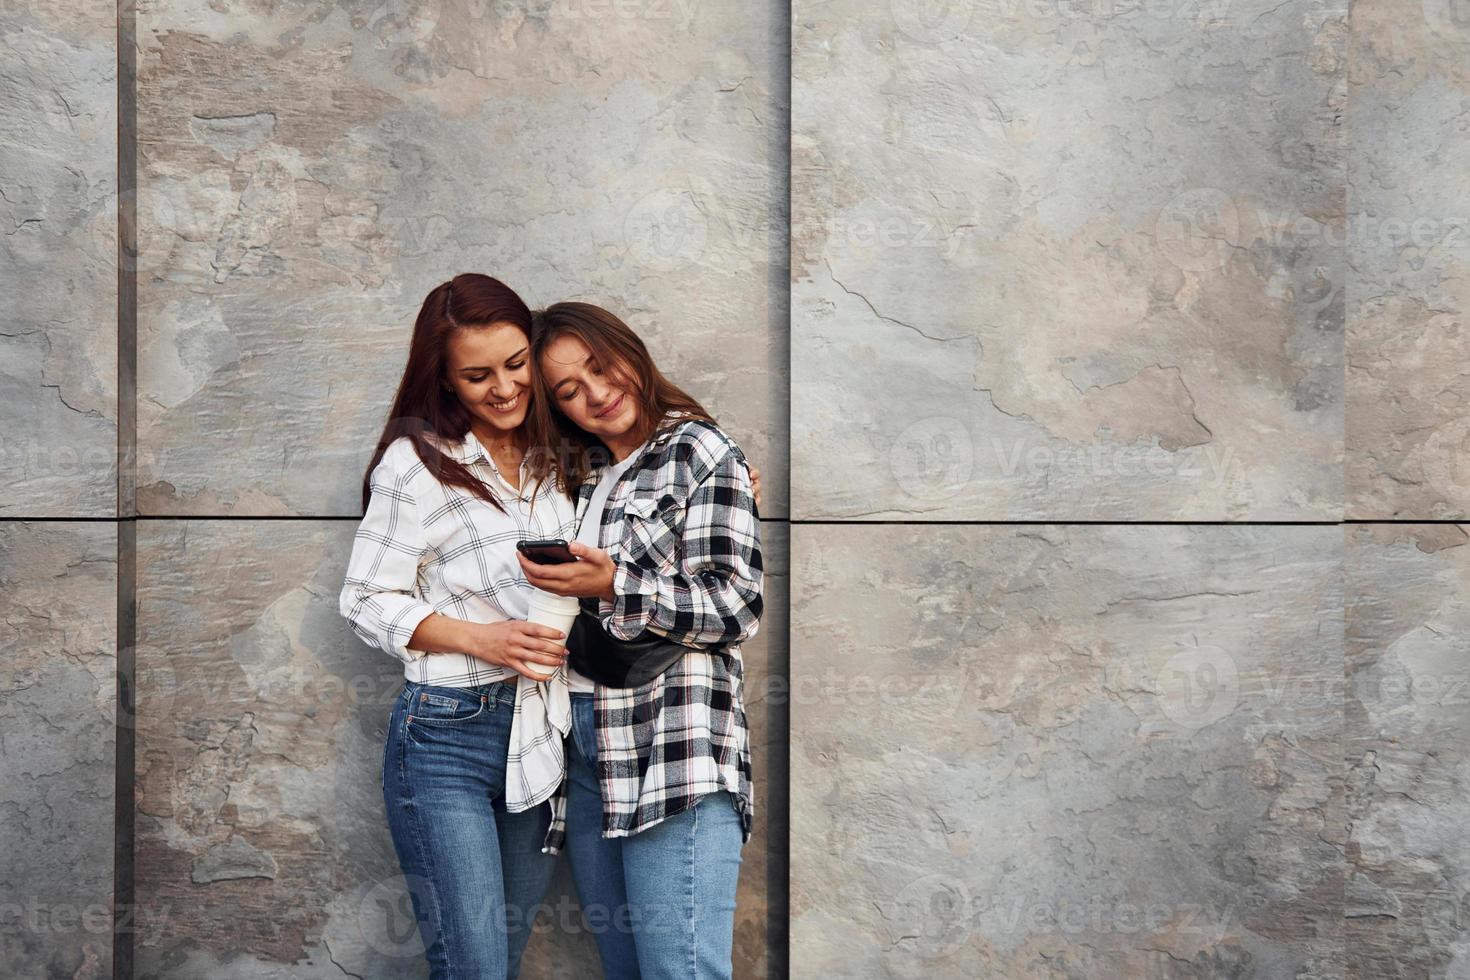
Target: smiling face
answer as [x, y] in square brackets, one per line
[600, 399]
[489, 368]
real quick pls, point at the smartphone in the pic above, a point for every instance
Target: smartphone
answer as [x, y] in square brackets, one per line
[550, 552]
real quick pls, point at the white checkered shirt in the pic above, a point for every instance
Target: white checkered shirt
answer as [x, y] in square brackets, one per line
[426, 547]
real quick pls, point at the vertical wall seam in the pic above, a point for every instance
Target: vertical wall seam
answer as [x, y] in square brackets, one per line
[125, 911]
[778, 884]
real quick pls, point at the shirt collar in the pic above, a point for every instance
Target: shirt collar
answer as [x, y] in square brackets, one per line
[655, 442]
[470, 448]
[664, 431]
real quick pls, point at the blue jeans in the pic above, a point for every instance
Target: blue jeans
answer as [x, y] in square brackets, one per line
[475, 872]
[661, 903]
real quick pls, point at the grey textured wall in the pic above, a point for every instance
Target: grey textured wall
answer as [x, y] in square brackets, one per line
[58, 642]
[1062, 750]
[1080, 301]
[308, 172]
[58, 258]
[1407, 728]
[1128, 265]
[1068, 261]
[1408, 248]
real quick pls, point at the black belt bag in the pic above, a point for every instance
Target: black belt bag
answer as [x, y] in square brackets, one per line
[611, 662]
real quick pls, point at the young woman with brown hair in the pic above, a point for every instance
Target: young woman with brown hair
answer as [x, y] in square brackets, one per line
[476, 738]
[658, 800]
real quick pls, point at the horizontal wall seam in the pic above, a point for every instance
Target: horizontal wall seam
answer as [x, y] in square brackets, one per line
[796, 522]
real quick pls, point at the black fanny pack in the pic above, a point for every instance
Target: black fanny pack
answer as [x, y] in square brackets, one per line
[611, 662]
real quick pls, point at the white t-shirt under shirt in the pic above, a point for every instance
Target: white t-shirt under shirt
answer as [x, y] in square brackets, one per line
[589, 533]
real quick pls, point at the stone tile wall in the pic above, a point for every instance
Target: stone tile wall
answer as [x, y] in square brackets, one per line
[1120, 462]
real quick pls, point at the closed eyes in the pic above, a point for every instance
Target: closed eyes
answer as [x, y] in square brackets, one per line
[476, 379]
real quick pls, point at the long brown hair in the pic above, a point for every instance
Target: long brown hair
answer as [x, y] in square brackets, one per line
[424, 404]
[575, 452]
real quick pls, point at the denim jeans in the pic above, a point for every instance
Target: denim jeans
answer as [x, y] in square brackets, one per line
[661, 903]
[475, 872]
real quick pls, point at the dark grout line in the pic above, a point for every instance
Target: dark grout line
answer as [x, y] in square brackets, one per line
[21, 519]
[778, 718]
[179, 517]
[794, 521]
[124, 818]
[124, 824]
[1114, 523]
[1404, 520]
[124, 862]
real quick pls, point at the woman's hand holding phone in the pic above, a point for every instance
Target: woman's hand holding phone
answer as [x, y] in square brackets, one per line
[551, 551]
[515, 644]
[590, 576]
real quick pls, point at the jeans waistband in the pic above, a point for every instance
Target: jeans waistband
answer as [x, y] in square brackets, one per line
[504, 690]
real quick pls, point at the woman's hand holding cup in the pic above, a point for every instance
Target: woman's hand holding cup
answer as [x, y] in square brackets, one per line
[529, 649]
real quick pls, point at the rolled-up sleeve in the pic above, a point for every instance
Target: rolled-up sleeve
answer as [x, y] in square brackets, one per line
[380, 596]
[712, 593]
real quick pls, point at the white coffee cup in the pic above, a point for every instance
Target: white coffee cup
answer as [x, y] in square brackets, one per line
[556, 611]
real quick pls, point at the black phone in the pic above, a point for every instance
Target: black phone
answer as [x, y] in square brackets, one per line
[550, 552]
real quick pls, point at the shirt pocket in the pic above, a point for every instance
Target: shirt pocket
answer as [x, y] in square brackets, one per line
[655, 530]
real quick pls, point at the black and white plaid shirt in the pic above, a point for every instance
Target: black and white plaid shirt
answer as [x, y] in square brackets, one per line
[682, 529]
